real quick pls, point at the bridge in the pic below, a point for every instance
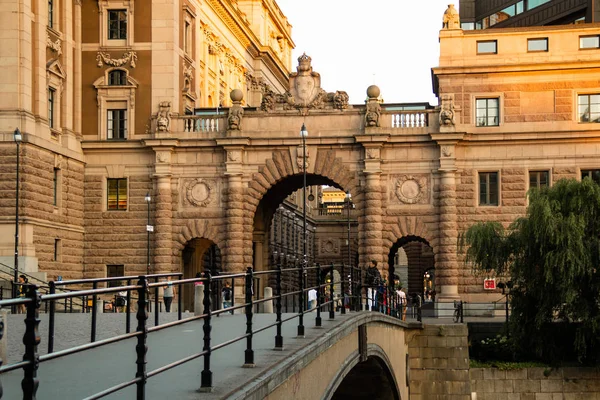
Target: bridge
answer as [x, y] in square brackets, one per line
[324, 350]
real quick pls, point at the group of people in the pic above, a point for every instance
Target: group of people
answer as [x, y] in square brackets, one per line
[377, 290]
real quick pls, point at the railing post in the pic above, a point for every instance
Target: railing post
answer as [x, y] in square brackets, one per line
[318, 321]
[94, 316]
[462, 312]
[301, 300]
[331, 300]
[156, 306]
[51, 318]
[180, 300]
[278, 337]
[142, 328]
[419, 315]
[206, 374]
[2, 322]
[249, 353]
[31, 339]
[342, 289]
[127, 309]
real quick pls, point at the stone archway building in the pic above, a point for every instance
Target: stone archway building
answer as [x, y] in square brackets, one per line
[508, 120]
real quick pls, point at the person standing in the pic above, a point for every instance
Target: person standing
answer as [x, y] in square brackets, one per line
[168, 294]
[22, 292]
[226, 295]
[402, 300]
[372, 281]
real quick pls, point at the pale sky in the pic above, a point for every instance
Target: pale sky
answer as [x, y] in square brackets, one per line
[355, 43]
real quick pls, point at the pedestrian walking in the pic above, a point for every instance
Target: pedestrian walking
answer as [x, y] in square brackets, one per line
[227, 295]
[168, 294]
[372, 281]
[22, 292]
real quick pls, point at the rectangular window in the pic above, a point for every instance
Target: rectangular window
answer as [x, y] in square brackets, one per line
[51, 96]
[117, 24]
[56, 249]
[467, 26]
[114, 271]
[55, 186]
[537, 44]
[589, 42]
[117, 194]
[51, 13]
[593, 174]
[116, 124]
[535, 3]
[187, 38]
[487, 47]
[487, 112]
[488, 188]
[539, 179]
[588, 107]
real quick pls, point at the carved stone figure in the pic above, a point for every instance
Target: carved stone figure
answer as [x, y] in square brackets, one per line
[447, 111]
[236, 112]
[163, 122]
[451, 18]
[373, 108]
[305, 84]
[340, 100]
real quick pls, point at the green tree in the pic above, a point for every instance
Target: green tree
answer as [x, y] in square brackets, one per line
[552, 255]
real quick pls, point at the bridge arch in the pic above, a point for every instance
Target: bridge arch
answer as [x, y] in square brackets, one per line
[372, 378]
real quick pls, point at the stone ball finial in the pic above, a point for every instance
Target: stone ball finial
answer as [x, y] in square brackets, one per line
[236, 95]
[373, 91]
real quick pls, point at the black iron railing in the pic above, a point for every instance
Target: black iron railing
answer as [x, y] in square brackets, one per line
[351, 296]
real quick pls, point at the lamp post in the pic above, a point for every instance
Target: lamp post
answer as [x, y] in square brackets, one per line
[149, 228]
[18, 137]
[303, 134]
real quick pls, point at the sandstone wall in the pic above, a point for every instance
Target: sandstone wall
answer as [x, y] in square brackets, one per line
[439, 363]
[535, 384]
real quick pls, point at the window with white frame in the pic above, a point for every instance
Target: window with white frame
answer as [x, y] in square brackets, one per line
[51, 100]
[116, 124]
[116, 104]
[488, 189]
[588, 108]
[116, 23]
[593, 174]
[487, 112]
[539, 179]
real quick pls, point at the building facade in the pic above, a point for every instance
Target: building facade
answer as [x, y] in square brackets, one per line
[484, 14]
[518, 109]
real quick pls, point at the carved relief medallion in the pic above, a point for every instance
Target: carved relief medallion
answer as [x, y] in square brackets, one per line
[411, 189]
[329, 247]
[372, 153]
[199, 192]
[234, 155]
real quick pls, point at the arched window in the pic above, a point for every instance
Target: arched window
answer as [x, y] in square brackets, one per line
[117, 77]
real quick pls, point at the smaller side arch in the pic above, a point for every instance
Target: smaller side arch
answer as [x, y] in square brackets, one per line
[200, 228]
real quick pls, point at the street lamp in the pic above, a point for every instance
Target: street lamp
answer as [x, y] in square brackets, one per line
[149, 228]
[18, 138]
[303, 134]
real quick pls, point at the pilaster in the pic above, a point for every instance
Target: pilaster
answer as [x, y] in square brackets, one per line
[373, 220]
[236, 243]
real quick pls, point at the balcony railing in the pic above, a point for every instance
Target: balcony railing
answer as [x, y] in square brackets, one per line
[202, 123]
[410, 119]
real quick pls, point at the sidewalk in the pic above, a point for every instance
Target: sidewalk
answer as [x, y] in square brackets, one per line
[79, 375]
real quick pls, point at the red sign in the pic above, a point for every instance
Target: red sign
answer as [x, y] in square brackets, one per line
[489, 284]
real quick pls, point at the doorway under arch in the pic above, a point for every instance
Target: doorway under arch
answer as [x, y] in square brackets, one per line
[198, 255]
[409, 259]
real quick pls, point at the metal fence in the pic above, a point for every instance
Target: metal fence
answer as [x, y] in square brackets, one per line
[352, 296]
